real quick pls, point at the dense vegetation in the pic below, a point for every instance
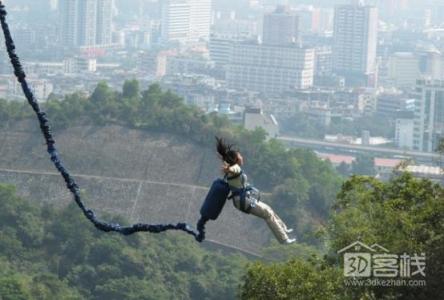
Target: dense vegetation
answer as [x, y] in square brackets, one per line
[57, 255]
[47, 254]
[303, 187]
[363, 165]
[405, 215]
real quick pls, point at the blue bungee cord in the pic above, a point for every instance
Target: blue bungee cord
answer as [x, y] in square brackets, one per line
[71, 184]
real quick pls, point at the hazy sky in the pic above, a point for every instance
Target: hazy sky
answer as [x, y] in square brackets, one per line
[131, 6]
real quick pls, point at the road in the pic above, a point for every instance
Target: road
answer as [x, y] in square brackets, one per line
[317, 143]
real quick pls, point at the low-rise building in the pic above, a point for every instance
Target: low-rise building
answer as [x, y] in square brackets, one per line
[429, 115]
[433, 173]
[389, 104]
[41, 88]
[403, 69]
[318, 112]
[336, 160]
[255, 117]
[44, 67]
[80, 65]
[384, 166]
[188, 65]
[404, 128]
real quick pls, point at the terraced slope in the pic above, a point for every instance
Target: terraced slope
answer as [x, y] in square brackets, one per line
[145, 177]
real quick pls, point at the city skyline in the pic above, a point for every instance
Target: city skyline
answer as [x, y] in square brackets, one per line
[324, 64]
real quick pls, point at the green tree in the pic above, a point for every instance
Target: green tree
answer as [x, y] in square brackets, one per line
[344, 169]
[131, 289]
[49, 287]
[363, 165]
[131, 89]
[440, 150]
[75, 261]
[405, 215]
[296, 279]
[14, 287]
[103, 105]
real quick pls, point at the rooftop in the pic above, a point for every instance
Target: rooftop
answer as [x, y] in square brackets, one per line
[337, 159]
[386, 162]
[425, 170]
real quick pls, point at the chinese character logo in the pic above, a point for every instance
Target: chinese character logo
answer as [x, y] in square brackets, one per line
[361, 260]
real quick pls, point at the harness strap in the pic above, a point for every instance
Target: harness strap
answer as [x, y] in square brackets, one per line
[242, 193]
[243, 203]
[234, 176]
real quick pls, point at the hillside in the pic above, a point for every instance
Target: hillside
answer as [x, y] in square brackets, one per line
[142, 176]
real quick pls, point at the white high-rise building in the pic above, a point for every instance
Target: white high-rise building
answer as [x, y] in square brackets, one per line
[104, 22]
[175, 25]
[86, 23]
[270, 69]
[69, 19]
[275, 66]
[185, 20]
[200, 19]
[429, 115]
[355, 40]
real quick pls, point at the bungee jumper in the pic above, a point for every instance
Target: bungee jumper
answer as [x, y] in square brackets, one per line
[245, 197]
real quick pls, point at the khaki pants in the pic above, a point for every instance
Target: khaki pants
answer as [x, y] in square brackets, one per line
[264, 211]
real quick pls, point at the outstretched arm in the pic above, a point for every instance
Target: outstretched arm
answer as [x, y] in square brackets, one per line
[225, 169]
[233, 170]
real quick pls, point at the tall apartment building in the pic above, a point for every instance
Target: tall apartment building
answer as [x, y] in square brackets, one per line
[280, 27]
[104, 22]
[278, 64]
[270, 69]
[175, 23]
[69, 19]
[185, 20]
[355, 41]
[429, 115]
[200, 22]
[86, 23]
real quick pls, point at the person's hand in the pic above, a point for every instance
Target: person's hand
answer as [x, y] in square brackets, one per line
[225, 168]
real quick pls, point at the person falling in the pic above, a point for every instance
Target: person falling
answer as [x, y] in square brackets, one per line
[245, 197]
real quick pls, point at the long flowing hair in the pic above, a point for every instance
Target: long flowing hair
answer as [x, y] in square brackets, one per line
[226, 151]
